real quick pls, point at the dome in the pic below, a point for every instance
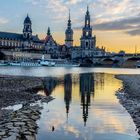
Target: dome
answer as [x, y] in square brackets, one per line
[27, 20]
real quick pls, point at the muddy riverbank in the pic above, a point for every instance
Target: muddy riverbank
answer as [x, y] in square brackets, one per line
[14, 90]
[22, 123]
[20, 89]
[129, 96]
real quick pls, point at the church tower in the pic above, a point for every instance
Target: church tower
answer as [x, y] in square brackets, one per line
[87, 40]
[27, 30]
[69, 34]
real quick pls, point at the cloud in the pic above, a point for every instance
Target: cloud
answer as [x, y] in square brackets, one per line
[123, 24]
[130, 25]
[73, 2]
[33, 2]
[107, 15]
[3, 20]
[134, 32]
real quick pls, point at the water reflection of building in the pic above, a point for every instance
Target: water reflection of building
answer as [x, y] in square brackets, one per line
[67, 91]
[86, 90]
[49, 86]
[100, 81]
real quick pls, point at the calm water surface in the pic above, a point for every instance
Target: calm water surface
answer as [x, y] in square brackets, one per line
[85, 105]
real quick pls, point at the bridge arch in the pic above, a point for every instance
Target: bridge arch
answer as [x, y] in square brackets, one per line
[133, 59]
[2, 56]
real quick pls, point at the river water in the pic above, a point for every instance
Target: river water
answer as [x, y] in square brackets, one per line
[85, 106]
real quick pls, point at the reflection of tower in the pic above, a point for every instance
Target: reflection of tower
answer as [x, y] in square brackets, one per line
[68, 91]
[99, 84]
[86, 89]
[49, 86]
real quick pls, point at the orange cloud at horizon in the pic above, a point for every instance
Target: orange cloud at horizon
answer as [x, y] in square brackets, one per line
[113, 41]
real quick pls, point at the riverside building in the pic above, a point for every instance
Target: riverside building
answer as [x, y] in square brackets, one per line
[24, 41]
[30, 43]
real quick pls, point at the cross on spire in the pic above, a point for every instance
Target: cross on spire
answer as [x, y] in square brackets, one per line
[87, 9]
[69, 15]
[48, 32]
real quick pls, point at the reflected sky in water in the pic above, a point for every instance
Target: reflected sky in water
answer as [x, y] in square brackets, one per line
[85, 108]
[60, 71]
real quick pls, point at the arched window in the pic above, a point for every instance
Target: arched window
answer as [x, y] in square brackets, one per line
[87, 44]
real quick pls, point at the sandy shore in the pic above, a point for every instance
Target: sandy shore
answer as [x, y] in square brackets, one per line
[129, 96]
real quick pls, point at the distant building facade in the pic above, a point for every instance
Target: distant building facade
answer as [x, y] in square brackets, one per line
[22, 41]
[30, 43]
[51, 47]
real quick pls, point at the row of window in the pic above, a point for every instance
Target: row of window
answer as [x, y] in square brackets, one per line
[9, 43]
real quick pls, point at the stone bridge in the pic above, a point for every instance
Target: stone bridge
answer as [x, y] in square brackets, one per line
[113, 59]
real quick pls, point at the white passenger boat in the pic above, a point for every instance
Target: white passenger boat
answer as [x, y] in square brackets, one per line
[15, 63]
[25, 64]
[47, 63]
[30, 64]
[67, 65]
[3, 64]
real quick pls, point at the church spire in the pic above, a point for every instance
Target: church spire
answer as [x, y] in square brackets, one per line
[48, 32]
[69, 21]
[87, 40]
[69, 15]
[69, 33]
[87, 10]
[87, 18]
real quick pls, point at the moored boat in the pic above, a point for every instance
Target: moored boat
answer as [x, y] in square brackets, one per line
[47, 63]
[30, 64]
[15, 63]
[138, 64]
[67, 65]
[3, 64]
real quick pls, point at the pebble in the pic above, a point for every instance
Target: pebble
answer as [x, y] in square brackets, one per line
[11, 129]
[2, 133]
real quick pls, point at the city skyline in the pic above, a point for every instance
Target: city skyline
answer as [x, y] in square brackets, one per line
[115, 24]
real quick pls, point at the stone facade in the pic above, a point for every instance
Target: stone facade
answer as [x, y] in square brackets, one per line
[51, 47]
[24, 41]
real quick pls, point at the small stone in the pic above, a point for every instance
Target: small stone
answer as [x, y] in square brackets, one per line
[12, 137]
[30, 137]
[2, 133]
[19, 123]
[27, 133]
[32, 130]
[35, 117]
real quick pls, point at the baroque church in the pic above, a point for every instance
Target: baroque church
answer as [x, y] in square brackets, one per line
[87, 48]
